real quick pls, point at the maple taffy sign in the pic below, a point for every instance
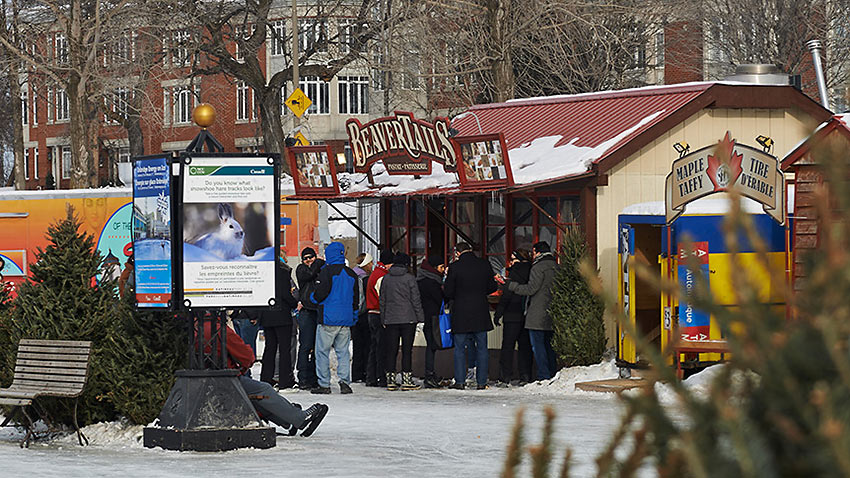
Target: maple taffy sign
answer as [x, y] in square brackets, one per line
[405, 145]
[723, 167]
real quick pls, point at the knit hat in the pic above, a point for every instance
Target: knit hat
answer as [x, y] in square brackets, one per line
[401, 259]
[386, 256]
[435, 260]
[366, 260]
[308, 253]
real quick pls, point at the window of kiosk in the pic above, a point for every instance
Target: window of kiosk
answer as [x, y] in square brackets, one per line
[418, 231]
[523, 224]
[530, 225]
[467, 218]
[496, 247]
[397, 222]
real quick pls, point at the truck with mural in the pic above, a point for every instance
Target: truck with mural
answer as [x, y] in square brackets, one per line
[106, 214]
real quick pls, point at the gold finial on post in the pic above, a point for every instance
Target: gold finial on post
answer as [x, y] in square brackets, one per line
[204, 115]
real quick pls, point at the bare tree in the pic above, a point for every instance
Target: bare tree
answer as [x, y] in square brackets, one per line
[248, 25]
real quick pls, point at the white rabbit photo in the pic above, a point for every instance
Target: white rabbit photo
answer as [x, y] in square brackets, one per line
[226, 232]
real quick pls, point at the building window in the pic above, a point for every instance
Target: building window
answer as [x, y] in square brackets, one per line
[244, 102]
[35, 108]
[62, 113]
[180, 48]
[639, 56]
[659, 48]
[410, 80]
[25, 113]
[119, 104]
[60, 48]
[530, 225]
[318, 92]
[354, 95]
[66, 162]
[50, 107]
[121, 51]
[183, 101]
[397, 221]
[379, 73]
[26, 163]
[496, 248]
[467, 217]
[313, 33]
[278, 38]
[35, 163]
[346, 31]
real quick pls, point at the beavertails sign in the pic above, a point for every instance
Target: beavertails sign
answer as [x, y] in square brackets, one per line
[404, 144]
[723, 167]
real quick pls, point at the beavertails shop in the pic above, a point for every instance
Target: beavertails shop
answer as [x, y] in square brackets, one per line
[503, 176]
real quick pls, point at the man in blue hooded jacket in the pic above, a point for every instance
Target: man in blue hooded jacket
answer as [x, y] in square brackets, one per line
[336, 293]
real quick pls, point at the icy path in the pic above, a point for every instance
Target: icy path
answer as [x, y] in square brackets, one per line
[443, 433]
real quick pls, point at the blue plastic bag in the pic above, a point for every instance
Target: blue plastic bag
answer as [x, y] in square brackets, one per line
[445, 327]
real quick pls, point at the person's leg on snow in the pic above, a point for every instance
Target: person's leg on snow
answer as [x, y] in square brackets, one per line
[341, 343]
[460, 341]
[324, 341]
[408, 332]
[482, 359]
[391, 337]
[306, 349]
[541, 357]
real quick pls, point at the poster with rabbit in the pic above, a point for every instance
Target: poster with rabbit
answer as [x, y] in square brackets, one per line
[229, 230]
[152, 251]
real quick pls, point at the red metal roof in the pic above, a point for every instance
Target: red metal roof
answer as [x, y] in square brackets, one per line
[590, 118]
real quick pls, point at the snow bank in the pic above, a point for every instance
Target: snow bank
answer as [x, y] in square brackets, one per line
[117, 434]
[699, 384]
[564, 382]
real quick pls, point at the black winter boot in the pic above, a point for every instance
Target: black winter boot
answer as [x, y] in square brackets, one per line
[407, 382]
[392, 385]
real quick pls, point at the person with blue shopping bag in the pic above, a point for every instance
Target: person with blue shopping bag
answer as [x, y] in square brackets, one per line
[429, 278]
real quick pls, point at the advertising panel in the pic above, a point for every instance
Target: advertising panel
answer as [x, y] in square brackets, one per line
[152, 231]
[313, 170]
[230, 224]
[484, 161]
[694, 324]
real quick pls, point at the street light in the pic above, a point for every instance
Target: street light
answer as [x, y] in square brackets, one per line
[468, 113]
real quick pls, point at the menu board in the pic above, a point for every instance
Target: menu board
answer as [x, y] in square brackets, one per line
[313, 170]
[484, 161]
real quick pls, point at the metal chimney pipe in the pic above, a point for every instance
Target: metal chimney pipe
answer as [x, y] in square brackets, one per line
[815, 47]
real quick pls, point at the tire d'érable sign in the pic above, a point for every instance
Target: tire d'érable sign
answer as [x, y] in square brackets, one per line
[723, 167]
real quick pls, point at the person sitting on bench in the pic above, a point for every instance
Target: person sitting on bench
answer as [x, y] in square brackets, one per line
[267, 402]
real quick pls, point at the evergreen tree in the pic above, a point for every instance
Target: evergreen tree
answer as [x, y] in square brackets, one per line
[579, 337]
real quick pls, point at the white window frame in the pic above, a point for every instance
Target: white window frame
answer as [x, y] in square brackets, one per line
[244, 102]
[60, 49]
[34, 107]
[26, 163]
[65, 155]
[345, 33]
[63, 113]
[319, 93]
[315, 26]
[50, 107]
[182, 97]
[180, 52]
[278, 40]
[35, 163]
[25, 106]
[353, 96]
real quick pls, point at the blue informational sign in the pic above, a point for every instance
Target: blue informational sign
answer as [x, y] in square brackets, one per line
[694, 324]
[152, 231]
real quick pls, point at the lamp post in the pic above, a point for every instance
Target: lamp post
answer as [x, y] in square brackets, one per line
[469, 113]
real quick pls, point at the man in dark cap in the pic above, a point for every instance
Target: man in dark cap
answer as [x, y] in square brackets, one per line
[306, 273]
[375, 370]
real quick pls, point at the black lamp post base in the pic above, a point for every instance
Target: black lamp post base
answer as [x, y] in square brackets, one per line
[210, 440]
[208, 410]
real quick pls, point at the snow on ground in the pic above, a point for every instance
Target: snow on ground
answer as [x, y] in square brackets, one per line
[563, 383]
[434, 433]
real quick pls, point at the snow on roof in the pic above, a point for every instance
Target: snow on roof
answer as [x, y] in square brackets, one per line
[707, 205]
[389, 184]
[542, 159]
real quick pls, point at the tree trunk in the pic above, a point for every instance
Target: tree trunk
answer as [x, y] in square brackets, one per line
[135, 135]
[84, 130]
[17, 126]
[501, 66]
[273, 135]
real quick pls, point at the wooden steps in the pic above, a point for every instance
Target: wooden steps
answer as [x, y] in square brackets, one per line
[613, 385]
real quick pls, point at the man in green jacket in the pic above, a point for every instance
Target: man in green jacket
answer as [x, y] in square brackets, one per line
[537, 318]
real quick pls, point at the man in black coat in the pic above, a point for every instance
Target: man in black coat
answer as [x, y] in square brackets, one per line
[511, 309]
[468, 283]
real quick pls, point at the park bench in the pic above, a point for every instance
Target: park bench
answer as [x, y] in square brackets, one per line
[46, 368]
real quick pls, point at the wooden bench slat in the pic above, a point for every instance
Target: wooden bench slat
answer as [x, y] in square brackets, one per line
[51, 343]
[55, 350]
[41, 377]
[55, 357]
[51, 363]
[15, 402]
[51, 370]
[32, 383]
[36, 388]
[30, 394]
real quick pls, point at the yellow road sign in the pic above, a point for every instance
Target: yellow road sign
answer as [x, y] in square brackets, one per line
[301, 140]
[298, 102]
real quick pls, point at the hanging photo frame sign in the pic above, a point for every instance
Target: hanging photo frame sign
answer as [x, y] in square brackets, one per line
[313, 171]
[484, 161]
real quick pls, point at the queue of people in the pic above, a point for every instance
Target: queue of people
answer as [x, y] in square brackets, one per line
[376, 308]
